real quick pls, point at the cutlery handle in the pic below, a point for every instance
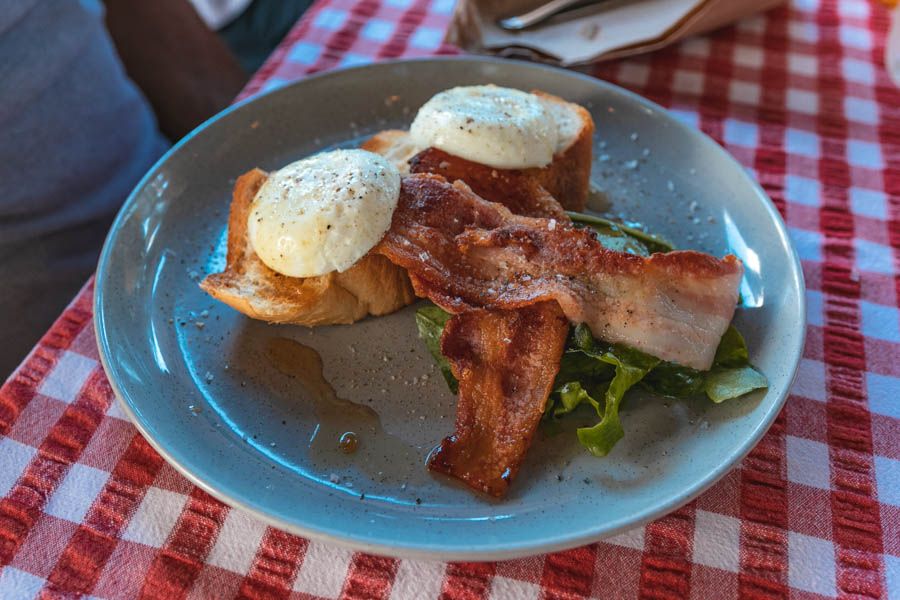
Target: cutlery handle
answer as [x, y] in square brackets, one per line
[541, 13]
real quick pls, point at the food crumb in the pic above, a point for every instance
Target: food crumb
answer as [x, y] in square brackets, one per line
[333, 478]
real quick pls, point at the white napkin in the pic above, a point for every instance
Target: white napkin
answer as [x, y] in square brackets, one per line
[596, 32]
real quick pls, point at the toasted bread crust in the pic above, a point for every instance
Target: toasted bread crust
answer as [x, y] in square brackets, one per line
[394, 145]
[568, 177]
[373, 286]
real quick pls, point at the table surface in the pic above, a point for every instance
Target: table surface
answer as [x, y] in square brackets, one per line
[800, 97]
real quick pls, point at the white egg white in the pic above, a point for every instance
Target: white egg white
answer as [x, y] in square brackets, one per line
[323, 213]
[495, 126]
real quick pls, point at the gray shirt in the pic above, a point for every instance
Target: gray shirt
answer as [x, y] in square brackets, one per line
[75, 137]
[76, 132]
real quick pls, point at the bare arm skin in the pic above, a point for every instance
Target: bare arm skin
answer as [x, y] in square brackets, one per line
[186, 72]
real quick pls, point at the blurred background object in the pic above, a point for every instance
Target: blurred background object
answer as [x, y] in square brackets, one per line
[600, 30]
[255, 32]
[251, 28]
[91, 95]
[185, 70]
[892, 47]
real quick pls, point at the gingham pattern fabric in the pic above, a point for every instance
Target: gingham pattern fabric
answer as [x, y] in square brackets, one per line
[800, 97]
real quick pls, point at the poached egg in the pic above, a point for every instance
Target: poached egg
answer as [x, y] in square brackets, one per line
[500, 127]
[323, 213]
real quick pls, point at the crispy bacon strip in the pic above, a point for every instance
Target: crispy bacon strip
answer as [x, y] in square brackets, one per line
[505, 362]
[465, 253]
[518, 191]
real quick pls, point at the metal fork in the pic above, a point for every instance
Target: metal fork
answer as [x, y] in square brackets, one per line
[541, 13]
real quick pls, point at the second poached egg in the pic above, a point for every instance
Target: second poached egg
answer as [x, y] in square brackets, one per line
[500, 127]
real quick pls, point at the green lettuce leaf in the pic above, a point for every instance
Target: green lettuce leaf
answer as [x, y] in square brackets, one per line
[732, 350]
[571, 395]
[731, 376]
[630, 367]
[576, 365]
[723, 383]
[608, 371]
[620, 237]
[430, 321]
[674, 381]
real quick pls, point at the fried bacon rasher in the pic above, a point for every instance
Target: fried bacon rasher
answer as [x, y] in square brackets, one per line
[522, 279]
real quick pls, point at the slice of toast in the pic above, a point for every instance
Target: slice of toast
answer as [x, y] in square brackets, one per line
[373, 286]
[395, 145]
[567, 178]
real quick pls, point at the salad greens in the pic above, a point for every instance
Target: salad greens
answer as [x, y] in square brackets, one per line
[430, 321]
[620, 237]
[597, 374]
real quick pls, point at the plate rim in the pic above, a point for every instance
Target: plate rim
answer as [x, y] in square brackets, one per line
[433, 551]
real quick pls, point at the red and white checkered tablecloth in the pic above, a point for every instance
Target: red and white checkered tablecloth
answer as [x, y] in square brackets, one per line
[800, 97]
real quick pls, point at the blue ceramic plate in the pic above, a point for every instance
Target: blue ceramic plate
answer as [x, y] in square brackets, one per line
[232, 402]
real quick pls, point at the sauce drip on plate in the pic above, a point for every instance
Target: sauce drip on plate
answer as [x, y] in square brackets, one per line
[346, 433]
